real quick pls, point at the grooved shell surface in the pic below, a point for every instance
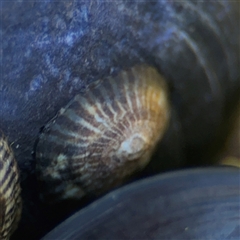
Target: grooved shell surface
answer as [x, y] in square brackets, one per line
[10, 200]
[103, 136]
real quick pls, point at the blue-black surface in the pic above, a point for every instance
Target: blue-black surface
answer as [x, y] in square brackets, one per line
[51, 50]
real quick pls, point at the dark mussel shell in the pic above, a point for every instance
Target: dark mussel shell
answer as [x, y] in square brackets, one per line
[201, 203]
[52, 50]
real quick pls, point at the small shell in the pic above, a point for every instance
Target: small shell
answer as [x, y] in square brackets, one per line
[103, 136]
[10, 199]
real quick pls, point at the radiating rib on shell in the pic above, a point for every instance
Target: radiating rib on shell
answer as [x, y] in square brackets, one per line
[10, 200]
[103, 135]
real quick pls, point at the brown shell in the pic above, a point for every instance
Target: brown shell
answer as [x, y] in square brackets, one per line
[103, 136]
[10, 199]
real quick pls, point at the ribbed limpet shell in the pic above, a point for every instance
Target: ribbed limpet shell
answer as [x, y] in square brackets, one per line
[103, 135]
[10, 199]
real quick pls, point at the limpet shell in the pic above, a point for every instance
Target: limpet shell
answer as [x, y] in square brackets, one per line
[10, 199]
[103, 136]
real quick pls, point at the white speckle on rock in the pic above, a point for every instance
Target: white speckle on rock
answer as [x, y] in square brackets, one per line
[36, 83]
